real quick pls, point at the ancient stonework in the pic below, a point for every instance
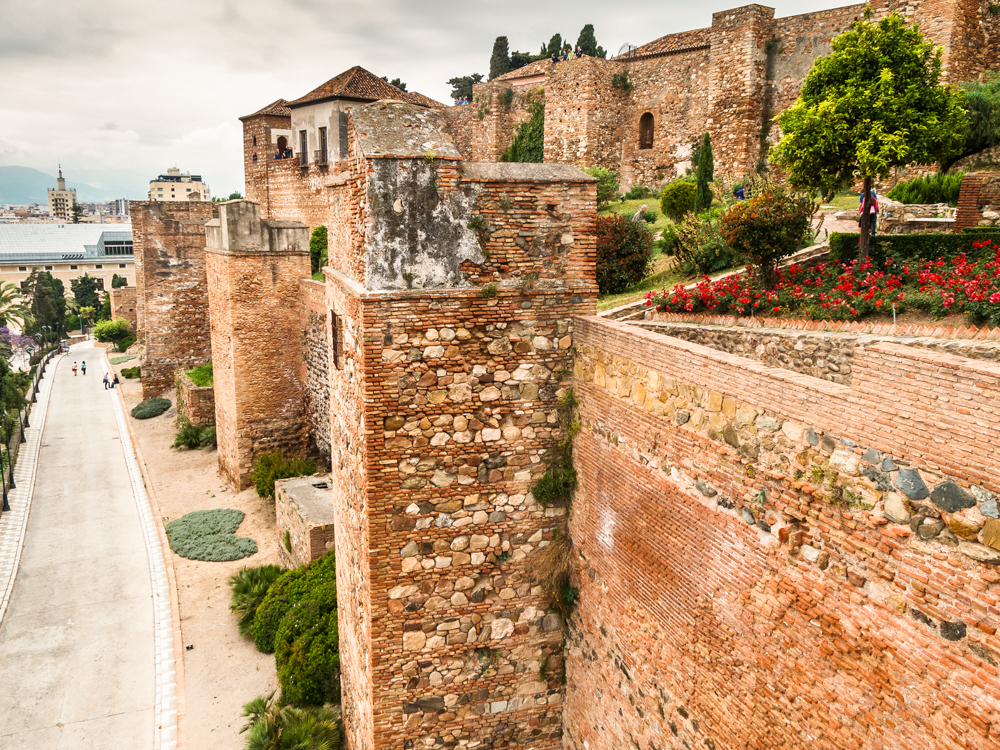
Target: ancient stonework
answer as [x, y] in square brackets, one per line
[123, 305]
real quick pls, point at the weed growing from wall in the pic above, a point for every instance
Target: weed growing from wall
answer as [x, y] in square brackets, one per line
[621, 82]
[529, 138]
[559, 482]
[489, 291]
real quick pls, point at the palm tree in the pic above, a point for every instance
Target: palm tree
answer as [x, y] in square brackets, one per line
[273, 728]
[13, 307]
[250, 585]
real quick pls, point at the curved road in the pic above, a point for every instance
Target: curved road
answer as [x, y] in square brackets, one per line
[77, 665]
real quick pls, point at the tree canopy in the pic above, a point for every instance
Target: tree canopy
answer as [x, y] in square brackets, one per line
[318, 249]
[872, 104]
[85, 291]
[395, 82]
[462, 85]
[982, 107]
[500, 59]
[588, 42]
[705, 175]
[47, 301]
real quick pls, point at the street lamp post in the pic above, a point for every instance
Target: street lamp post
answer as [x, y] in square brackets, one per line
[6, 442]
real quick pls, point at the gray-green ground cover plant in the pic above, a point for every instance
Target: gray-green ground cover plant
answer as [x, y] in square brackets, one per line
[210, 535]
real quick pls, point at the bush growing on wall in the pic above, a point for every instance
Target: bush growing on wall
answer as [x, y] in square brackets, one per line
[678, 199]
[529, 138]
[607, 184]
[271, 467]
[624, 248]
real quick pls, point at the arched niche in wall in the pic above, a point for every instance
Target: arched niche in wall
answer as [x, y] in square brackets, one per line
[646, 130]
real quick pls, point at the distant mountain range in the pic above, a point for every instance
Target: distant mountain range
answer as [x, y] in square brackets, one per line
[22, 185]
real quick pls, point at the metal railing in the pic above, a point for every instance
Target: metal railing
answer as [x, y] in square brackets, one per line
[8, 454]
[320, 157]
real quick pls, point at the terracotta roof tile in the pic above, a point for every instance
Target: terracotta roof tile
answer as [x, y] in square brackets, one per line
[278, 108]
[359, 84]
[537, 68]
[670, 44]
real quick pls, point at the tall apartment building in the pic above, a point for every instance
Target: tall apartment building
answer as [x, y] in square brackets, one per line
[61, 200]
[178, 186]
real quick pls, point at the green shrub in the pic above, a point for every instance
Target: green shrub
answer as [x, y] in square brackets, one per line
[935, 188]
[189, 435]
[151, 407]
[701, 246]
[125, 343]
[210, 535]
[208, 437]
[202, 375]
[637, 192]
[307, 654]
[130, 373]
[273, 727]
[607, 184]
[678, 199]
[113, 331]
[947, 245]
[650, 215]
[624, 249]
[529, 138]
[72, 322]
[271, 467]
[668, 240]
[558, 483]
[316, 581]
[120, 360]
[250, 586]
[766, 228]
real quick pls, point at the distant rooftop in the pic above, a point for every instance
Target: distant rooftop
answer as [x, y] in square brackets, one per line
[277, 108]
[358, 84]
[685, 41]
[46, 243]
[175, 175]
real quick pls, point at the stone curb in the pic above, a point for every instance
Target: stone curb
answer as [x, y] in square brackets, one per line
[14, 522]
[170, 708]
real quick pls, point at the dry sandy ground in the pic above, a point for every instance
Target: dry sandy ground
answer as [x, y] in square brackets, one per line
[222, 671]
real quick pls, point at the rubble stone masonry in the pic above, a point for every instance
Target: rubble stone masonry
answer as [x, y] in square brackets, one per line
[766, 559]
[123, 305]
[172, 309]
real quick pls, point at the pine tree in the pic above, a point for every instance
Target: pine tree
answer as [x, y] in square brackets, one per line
[500, 59]
[706, 173]
[588, 42]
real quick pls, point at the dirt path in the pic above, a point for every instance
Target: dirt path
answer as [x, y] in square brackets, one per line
[222, 671]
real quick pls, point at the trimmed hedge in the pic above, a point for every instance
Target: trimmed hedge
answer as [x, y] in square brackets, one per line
[131, 373]
[209, 535]
[844, 247]
[151, 407]
[624, 249]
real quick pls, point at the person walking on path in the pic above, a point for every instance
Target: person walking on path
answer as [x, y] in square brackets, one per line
[83, 367]
[74, 369]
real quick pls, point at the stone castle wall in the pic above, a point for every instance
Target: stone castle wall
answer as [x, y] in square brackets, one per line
[766, 559]
[315, 327]
[171, 291]
[123, 305]
[194, 403]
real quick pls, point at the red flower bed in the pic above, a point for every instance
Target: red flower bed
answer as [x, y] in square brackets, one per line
[839, 291]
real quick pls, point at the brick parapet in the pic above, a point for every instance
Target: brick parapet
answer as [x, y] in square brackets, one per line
[194, 403]
[683, 563]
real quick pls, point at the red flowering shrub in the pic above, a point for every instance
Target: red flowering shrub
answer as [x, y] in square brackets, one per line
[842, 291]
[624, 249]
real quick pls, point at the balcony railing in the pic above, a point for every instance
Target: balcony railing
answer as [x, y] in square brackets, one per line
[320, 157]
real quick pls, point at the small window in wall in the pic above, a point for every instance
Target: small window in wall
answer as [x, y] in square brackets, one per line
[100, 283]
[321, 156]
[73, 268]
[303, 147]
[122, 265]
[98, 266]
[335, 338]
[48, 268]
[22, 268]
[646, 130]
[255, 140]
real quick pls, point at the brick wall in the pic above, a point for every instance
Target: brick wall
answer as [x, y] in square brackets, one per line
[123, 305]
[172, 302]
[254, 268]
[979, 189]
[194, 403]
[314, 324]
[771, 560]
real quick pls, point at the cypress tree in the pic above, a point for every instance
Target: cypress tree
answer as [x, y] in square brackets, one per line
[500, 59]
[555, 45]
[588, 42]
[706, 173]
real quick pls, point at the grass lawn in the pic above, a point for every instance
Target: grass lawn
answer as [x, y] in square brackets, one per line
[843, 202]
[628, 208]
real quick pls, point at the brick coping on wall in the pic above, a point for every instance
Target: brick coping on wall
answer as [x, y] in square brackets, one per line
[845, 326]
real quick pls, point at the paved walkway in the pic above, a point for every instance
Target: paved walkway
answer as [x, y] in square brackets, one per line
[78, 656]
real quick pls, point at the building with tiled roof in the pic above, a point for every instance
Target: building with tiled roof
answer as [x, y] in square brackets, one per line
[671, 44]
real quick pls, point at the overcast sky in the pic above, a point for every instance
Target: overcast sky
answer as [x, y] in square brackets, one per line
[140, 86]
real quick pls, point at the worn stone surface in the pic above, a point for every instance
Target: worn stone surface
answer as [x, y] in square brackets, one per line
[950, 497]
[911, 484]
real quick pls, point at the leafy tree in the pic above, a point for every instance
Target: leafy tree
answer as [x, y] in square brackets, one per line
[13, 307]
[529, 138]
[767, 227]
[113, 331]
[588, 42]
[77, 211]
[872, 104]
[118, 281]
[500, 59]
[607, 184]
[395, 82]
[677, 199]
[520, 59]
[47, 301]
[235, 196]
[705, 175]
[982, 106]
[318, 249]
[86, 291]
[105, 312]
[462, 85]
[87, 314]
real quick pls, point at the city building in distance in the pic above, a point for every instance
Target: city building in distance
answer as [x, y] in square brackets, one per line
[178, 186]
[61, 200]
[67, 251]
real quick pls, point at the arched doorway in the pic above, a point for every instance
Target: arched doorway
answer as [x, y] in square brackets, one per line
[282, 146]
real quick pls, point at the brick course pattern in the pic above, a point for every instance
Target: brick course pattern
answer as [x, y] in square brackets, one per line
[123, 305]
[314, 324]
[172, 310]
[767, 559]
[255, 267]
[194, 403]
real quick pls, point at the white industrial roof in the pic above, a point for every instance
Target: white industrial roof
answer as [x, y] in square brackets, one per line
[53, 241]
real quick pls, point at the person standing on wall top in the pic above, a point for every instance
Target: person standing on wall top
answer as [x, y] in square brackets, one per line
[639, 214]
